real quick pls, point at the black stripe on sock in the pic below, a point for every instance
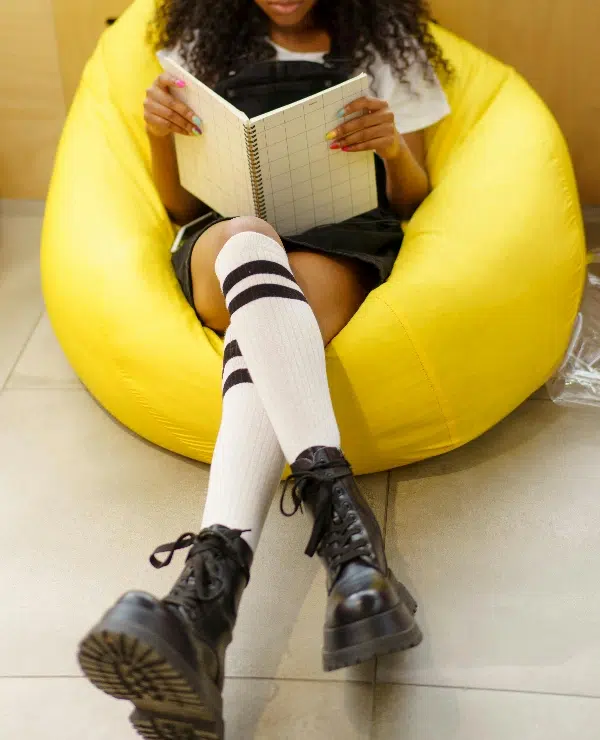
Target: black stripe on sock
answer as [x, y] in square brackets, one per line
[231, 350]
[257, 267]
[264, 290]
[235, 378]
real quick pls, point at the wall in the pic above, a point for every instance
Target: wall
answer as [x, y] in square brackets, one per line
[32, 107]
[43, 47]
[89, 18]
[554, 44]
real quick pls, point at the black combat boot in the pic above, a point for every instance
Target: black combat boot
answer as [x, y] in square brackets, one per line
[369, 612]
[167, 656]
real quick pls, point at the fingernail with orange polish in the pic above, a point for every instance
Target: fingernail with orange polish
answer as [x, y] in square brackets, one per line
[335, 145]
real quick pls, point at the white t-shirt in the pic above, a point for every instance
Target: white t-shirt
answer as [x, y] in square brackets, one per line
[416, 105]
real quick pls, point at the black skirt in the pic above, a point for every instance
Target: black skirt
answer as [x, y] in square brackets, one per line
[374, 239]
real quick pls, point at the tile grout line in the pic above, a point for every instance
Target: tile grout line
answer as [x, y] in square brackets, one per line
[291, 679]
[376, 662]
[490, 689]
[321, 682]
[3, 387]
[21, 388]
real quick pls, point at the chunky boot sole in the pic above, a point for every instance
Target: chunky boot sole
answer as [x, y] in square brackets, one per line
[390, 632]
[124, 657]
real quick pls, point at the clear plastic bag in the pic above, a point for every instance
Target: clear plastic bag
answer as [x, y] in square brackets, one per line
[577, 382]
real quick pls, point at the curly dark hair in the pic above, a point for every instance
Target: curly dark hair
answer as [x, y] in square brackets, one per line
[215, 35]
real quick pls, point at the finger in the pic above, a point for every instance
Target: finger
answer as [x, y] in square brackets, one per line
[371, 145]
[364, 103]
[382, 131]
[168, 114]
[166, 81]
[362, 122]
[169, 101]
[153, 120]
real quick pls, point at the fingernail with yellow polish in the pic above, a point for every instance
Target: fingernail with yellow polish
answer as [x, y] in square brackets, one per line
[331, 135]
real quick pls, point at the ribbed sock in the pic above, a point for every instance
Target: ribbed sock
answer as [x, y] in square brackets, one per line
[248, 462]
[280, 339]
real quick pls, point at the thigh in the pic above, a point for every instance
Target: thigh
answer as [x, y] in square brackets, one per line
[335, 288]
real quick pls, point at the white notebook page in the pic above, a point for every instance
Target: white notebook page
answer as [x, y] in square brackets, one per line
[214, 166]
[305, 182]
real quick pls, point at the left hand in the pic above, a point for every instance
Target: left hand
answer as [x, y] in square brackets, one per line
[374, 130]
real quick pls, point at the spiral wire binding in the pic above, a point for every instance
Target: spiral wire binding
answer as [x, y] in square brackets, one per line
[258, 193]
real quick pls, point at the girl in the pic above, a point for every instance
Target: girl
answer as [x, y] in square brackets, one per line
[279, 301]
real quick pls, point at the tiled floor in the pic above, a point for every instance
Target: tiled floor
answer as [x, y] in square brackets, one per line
[500, 540]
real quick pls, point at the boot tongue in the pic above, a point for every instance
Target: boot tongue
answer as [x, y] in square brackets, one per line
[316, 456]
[234, 541]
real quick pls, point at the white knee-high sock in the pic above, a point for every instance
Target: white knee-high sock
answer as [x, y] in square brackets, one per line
[280, 339]
[248, 462]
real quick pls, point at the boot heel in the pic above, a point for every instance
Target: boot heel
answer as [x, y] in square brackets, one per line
[404, 593]
[358, 642]
[128, 655]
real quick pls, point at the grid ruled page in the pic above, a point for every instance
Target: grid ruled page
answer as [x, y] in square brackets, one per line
[305, 183]
[214, 166]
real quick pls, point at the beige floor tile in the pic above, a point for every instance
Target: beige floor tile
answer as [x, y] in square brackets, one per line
[503, 544]
[297, 710]
[537, 441]
[43, 363]
[20, 294]
[82, 504]
[60, 709]
[424, 713]
[72, 709]
[280, 627]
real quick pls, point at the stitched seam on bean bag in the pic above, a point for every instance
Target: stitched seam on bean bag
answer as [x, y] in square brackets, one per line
[435, 389]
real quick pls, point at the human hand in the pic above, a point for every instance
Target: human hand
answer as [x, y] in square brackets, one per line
[164, 114]
[373, 130]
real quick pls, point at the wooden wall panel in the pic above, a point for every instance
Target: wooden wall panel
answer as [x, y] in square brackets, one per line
[554, 44]
[88, 17]
[32, 105]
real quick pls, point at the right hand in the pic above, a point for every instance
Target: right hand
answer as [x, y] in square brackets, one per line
[164, 114]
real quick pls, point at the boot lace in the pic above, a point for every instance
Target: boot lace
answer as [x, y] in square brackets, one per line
[337, 533]
[203, 578]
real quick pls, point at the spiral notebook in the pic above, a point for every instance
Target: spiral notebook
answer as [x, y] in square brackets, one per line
[277, 166]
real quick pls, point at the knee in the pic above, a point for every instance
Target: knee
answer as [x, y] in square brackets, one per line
[247, 223]
[208, 298]
[211, 243]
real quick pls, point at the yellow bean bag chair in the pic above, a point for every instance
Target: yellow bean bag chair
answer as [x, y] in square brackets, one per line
[475, 316]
